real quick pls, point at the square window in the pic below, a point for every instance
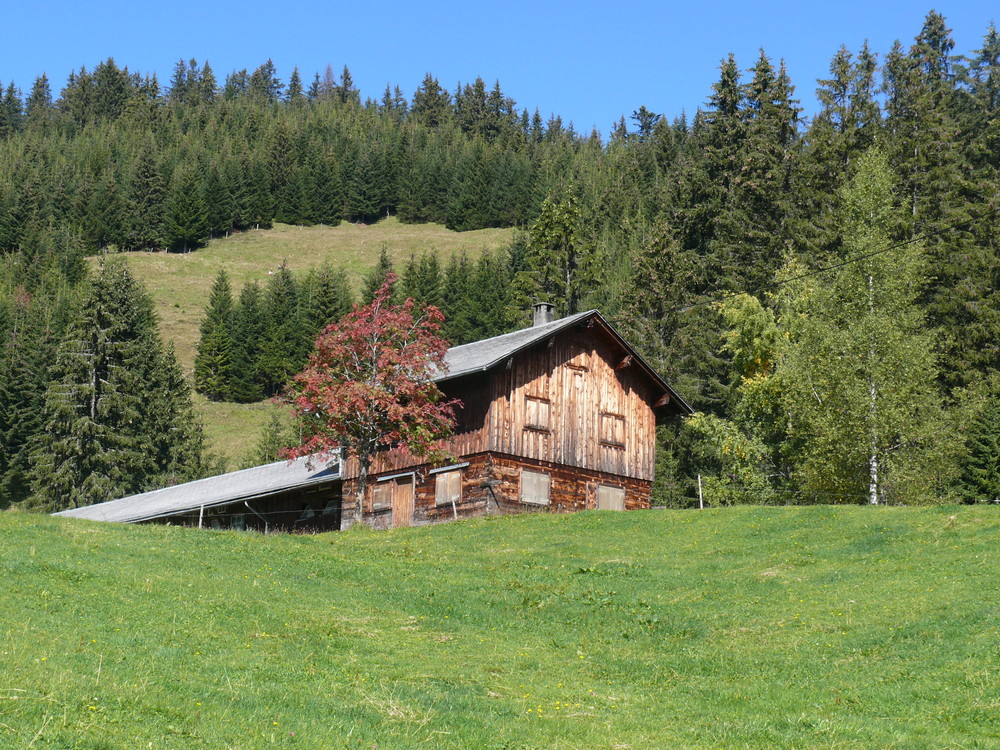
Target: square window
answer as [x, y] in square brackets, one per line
[534, 487]
[448, 487]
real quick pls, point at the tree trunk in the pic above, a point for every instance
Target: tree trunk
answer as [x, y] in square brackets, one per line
[872, 407]
[364, 464]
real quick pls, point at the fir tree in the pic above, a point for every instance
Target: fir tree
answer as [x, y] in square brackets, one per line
[213, 363]
[980, 479]
[102, 402]
[186, 215]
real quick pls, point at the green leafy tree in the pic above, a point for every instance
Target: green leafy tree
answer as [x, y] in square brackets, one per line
[861, 368]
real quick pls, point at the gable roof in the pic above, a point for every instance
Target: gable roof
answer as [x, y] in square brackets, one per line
[236, 486]
[481, 356]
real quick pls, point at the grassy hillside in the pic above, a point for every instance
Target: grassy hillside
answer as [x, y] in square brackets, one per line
[180, 284]
[752, 627]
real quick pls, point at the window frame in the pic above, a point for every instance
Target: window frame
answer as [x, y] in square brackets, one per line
[380, 489]
[605, 486]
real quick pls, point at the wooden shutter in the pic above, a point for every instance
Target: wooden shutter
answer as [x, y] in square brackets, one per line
[536, 413]
[448, 487]
[534, 487]
[610, 497]
[613, 429]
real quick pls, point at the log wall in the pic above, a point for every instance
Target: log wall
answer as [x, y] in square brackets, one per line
[491, 484]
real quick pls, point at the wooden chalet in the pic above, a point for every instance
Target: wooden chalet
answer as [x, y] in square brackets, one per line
[557, 417]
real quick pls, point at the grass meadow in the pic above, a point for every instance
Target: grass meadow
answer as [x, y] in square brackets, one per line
[180, 284]
[820, 627]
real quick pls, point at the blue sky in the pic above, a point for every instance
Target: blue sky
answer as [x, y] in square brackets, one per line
[588, 62]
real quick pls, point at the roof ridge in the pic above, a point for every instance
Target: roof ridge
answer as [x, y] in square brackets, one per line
[551, 323]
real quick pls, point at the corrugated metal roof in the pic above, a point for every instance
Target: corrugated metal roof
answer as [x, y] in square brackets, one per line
[480, 356]
[223, 489]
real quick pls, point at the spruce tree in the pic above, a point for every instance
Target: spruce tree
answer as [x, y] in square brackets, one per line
[213, 363]
[559, 260]
[980, 478]
[326, 299]
[377, 276]
[145, 203]
[187, 216]
[35, 323]
[103, 406]
[282, 349]
[248, 336]
[422, 280]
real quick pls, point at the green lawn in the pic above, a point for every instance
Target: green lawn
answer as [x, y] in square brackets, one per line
[180, 284]
[832, 627]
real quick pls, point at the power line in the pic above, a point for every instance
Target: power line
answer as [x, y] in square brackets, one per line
[719, 297]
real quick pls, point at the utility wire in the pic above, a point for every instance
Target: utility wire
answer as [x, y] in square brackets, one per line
[721, 296]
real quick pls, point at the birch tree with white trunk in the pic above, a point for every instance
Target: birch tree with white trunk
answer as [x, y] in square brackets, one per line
[860, 369]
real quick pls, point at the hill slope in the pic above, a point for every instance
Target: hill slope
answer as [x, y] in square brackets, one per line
[749, 627]
[180, 284]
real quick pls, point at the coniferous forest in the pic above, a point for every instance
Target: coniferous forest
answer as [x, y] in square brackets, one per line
[825, 290]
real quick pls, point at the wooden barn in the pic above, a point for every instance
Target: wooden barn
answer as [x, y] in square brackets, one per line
[558, 417]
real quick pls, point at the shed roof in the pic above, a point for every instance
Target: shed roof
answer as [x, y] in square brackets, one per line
[480, 356]
[236, 486]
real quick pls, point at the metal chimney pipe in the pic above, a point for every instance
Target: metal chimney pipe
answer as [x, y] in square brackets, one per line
[543, 313]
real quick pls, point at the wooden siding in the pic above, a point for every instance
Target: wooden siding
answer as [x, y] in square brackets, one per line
[596, 404]
[575, 375]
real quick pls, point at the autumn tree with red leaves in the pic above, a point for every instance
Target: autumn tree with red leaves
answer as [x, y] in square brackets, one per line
[368, 386]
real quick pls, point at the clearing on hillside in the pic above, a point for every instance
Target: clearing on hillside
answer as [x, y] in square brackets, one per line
[180, 283]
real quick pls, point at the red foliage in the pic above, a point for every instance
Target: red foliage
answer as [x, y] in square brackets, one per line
[368, 385]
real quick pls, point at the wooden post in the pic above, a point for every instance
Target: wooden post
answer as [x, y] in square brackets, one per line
[201, 516]
[701, 502]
